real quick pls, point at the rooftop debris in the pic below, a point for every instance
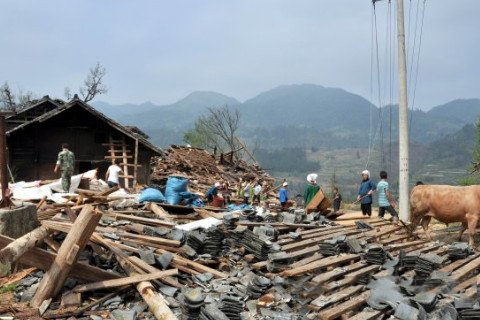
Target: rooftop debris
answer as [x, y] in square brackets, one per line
[203, 169]
[100, 254]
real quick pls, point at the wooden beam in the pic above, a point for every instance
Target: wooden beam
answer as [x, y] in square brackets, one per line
[14, 250]
[53, 280]
[135, 162]
[124, 281]
[155, 301]
[342, 308]
[43, 260]
[323, 263]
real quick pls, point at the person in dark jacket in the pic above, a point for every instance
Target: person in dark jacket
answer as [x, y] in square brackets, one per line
[337, 200]
[367, 187]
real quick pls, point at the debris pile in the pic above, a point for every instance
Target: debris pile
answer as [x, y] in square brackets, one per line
[102, 254]
[202, 169]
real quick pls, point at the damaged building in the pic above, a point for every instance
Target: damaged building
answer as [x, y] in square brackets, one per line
[35, 135]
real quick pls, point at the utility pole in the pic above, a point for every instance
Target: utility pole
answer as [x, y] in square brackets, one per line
[403, 181]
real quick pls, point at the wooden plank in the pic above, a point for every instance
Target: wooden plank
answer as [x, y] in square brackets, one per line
[466, 269]
[323, 263]
[337, 311]
[457, 264]
[302, 262]
[350, 278]
[150, 269]
[338, 272]
[304, 243]
[367, 315]
[324, 301]
[147, 221]
[124, 281]
[118, 157]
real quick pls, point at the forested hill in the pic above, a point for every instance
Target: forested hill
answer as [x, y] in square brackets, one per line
[293, 116]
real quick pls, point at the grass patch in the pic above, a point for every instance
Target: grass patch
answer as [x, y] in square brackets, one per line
[10, 288]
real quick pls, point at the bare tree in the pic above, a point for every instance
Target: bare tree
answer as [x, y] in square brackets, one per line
[13, 102]
[93, 84]
[67, 93]
[7, 98]
[223, 122]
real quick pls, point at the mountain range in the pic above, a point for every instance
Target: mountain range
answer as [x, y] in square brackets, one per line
[302, 115]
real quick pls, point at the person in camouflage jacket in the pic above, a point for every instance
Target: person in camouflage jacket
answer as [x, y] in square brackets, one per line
[66, 164]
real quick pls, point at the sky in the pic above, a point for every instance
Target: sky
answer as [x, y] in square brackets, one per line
[160, 51]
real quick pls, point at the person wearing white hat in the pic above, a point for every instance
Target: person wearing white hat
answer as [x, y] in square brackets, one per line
[367, 187]
[311, 189]
[213, 192]
[283, 195]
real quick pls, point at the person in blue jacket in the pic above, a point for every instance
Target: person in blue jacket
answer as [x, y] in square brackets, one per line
[283, 195]
[367, 187]
[213, 192]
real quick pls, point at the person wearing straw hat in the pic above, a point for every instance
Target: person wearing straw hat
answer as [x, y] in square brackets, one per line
[367, 187]
[311, 189]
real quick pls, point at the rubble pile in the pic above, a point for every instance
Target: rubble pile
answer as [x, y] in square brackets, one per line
[202, 169]
[101, 254]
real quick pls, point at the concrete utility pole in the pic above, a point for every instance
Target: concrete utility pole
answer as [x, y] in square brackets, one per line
[403, 180]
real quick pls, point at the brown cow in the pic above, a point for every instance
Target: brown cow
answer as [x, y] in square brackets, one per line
[447, 204]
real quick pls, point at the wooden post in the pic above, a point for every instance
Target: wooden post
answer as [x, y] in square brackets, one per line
[5, 202]
[17, 248]
[125, 163]
[135, 164]
[53, 280]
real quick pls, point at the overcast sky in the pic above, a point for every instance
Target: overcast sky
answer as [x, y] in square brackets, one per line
[160, 51]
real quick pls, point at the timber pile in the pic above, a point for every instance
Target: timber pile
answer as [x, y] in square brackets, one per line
[91, 259]
[202, 169]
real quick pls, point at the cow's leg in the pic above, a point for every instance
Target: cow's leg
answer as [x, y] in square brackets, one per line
[472, 228]
[464, 227]
[425, 222]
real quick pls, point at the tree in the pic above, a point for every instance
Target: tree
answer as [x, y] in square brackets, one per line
[7, 98]
[223, 123]
[475, 167]
[92, 85]
[201, 137]
[217, 129]
[14, 101]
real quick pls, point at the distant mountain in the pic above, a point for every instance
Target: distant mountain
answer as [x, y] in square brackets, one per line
[462, 111]
[303, 115]
[308, 105]
[178, 115]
